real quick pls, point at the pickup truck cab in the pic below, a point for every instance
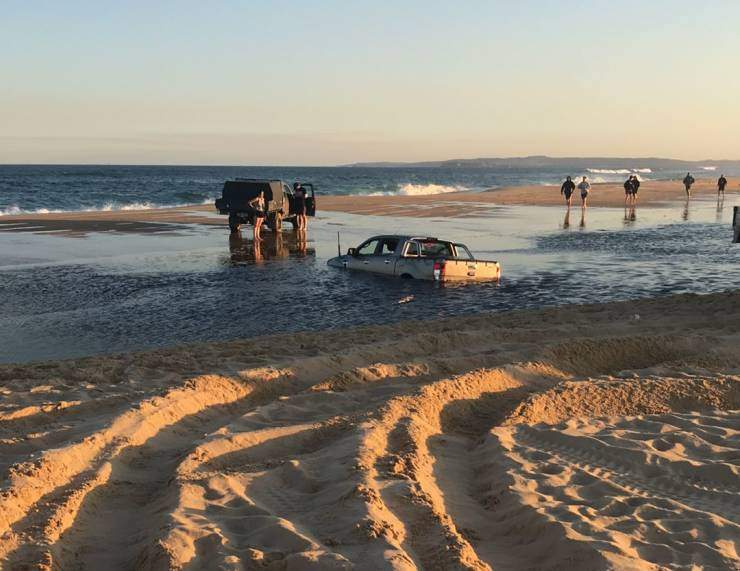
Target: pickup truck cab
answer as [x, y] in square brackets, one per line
[279, 202]
[416, 257]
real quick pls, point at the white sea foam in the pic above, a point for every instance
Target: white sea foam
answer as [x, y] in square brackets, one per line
[619, 171]
[410, 189]
[709, 168]
[14, 210]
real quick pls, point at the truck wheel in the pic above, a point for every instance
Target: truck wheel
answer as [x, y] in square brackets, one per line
[234, 224]
[407, 277]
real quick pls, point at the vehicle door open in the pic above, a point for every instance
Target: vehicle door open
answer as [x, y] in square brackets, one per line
[310, 199]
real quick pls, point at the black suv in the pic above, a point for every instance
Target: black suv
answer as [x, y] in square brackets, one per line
[279, 202]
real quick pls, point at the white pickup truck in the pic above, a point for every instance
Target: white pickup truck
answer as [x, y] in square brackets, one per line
[416, 257]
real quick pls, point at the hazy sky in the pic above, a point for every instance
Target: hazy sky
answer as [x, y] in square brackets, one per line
[328, 82]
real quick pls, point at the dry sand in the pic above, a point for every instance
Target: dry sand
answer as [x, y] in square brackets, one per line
[585, 437]
[453, 204]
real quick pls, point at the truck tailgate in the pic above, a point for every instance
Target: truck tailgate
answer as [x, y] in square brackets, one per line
[471, 270]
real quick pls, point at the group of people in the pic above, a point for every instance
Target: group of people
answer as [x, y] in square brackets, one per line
[688, 181]
[259, 207]
[631, 186]
[569, 187]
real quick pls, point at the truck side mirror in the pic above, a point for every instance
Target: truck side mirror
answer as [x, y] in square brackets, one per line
[352, 252]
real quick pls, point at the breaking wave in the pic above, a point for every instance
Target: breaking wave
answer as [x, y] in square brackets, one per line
[410, 189]
[619, 171]
[15, 210]
[709, 168]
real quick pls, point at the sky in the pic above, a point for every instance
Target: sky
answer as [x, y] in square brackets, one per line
[332, 82]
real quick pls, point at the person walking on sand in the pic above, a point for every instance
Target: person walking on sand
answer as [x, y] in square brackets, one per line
[688, 180]
[628, 190]
[258, 205]
[721, 184]
[584, 187]
[567, 190]
[635, 188]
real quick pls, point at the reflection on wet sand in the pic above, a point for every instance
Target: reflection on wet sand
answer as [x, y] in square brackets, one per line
[271, 247]
[685, 214]
[583, 217]
[630, 215]
[566, 222]
[720, 206]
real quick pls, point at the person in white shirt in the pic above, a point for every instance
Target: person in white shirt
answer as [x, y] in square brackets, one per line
[584, 187]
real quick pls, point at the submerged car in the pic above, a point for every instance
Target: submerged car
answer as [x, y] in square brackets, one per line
[279, 202]
[416, 257]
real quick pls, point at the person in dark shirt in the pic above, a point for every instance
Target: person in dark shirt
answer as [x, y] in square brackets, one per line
[628, 190]
[688, 180]
[300, 205]
[635, 188]
[567, 189]
[721, 184]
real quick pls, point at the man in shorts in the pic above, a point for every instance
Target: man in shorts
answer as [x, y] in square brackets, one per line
[721, 184]
[584, 187]
[688, 180]
[567, 190]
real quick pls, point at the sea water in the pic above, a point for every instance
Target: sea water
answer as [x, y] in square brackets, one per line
[68, 295]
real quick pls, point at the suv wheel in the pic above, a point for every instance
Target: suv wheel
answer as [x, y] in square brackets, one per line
[234, 224]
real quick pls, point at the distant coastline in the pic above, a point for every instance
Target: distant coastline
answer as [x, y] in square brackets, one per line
[542, 161]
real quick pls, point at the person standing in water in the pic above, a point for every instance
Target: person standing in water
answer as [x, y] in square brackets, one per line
[688, 180]
[721, 184]
[635, 188]
[584, 187]
[299, 194]
[567, 190]
[628, 190]
[258, 204]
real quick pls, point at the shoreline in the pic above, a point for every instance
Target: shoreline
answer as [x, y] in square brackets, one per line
[420, 453]
[654, 194]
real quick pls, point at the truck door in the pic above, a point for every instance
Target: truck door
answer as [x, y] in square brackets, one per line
[310, 200]
[408, 263]
[365, 257]
[384, 261]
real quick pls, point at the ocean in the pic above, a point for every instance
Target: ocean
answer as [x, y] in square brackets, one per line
[57, 188]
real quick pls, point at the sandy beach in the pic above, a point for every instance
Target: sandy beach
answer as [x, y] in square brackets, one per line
[583, 437]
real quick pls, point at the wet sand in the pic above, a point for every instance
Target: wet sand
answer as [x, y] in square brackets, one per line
[455, 204]
[584, 437]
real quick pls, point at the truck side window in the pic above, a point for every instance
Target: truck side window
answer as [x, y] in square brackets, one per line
[368, 248]
[412, 250]
[388, 247]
